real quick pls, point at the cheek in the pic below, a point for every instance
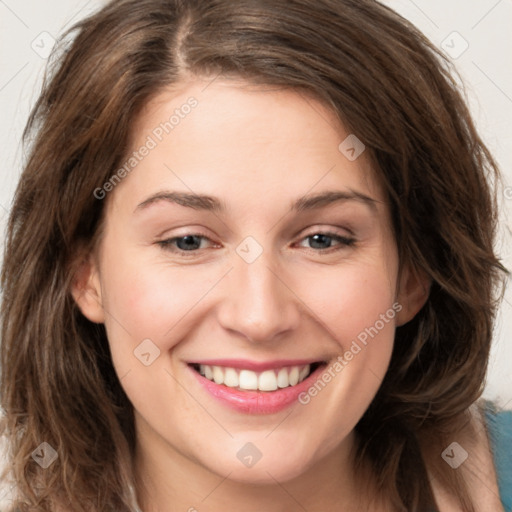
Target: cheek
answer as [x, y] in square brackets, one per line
[350, 299]
[149, 300]
[150, 310]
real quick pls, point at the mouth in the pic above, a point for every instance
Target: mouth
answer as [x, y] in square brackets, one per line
[250, 387]
[269, 380]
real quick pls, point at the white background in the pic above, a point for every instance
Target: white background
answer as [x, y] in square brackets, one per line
[484, 25]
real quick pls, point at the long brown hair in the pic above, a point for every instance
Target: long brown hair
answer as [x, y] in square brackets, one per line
[387, 84]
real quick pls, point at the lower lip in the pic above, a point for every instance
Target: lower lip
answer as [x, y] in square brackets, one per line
[257, 402]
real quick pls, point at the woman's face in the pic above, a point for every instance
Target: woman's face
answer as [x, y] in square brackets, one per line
[290, 265]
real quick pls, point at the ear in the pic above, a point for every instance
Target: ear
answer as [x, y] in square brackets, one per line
[412, 294]
[86, 290]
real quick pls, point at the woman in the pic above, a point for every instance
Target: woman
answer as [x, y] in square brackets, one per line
[176, 336]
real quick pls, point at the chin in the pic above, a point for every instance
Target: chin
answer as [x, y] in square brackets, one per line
[266, 471]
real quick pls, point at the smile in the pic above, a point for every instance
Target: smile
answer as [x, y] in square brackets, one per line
[256, 388]
[249, 380]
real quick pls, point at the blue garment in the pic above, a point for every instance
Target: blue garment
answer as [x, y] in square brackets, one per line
[499, 426]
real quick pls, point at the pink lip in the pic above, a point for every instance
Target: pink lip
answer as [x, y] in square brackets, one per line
[256, 402]
[254, 365]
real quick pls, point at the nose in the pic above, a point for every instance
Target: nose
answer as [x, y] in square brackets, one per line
[259, 302]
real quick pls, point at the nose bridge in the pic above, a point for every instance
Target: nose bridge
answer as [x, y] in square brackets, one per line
[258, 304]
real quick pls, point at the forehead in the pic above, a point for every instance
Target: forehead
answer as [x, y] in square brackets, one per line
[224, 137]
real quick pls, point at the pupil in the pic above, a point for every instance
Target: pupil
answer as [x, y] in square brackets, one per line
[189, 242]
[323, 238]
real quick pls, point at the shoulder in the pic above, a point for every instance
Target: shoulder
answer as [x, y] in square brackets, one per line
[479, 452]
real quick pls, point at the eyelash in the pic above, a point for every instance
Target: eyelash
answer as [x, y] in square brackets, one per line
[343, 243]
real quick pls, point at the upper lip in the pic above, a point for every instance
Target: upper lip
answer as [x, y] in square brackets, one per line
[256, 366]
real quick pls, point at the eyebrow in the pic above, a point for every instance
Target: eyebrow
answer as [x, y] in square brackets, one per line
[215, 205]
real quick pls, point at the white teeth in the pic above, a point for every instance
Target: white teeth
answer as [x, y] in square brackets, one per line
[231, 378]
[303, 373]
[268, 380]
[248, 380]
[218, 375]
[294, 376]
[282, 378]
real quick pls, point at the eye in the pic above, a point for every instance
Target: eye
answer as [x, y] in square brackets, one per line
[191, 243]
[323, 240]
[187, 243]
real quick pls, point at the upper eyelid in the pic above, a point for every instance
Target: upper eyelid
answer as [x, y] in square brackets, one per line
[314, 231]
[308, 231]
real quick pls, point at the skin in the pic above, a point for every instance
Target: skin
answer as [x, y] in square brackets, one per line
[256, 150]
[478, 469]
